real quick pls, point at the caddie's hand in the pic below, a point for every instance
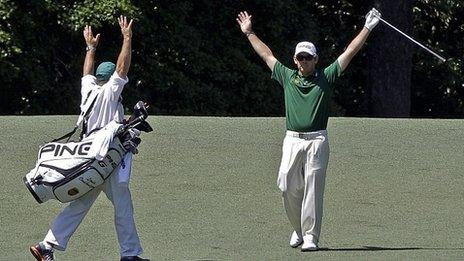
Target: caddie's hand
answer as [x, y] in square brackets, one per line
[244, 21]
[372, 19]
[90, 40]
[126, 27]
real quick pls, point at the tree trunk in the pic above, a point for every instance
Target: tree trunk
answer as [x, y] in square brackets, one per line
[390, 61]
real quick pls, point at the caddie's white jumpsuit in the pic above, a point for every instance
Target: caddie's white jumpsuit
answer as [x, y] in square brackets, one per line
[107, 107]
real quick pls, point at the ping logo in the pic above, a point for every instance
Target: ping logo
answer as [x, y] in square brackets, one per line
[69, 149]
[73, 192]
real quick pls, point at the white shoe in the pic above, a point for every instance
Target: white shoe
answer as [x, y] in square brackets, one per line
[295, 240]
[309, 244]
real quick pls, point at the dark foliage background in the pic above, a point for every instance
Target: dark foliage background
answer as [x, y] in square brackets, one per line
[190, 58]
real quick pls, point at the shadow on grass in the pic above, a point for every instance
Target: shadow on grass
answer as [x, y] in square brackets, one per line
[375, 248]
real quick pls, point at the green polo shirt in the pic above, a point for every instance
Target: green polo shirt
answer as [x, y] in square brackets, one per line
[307, 98]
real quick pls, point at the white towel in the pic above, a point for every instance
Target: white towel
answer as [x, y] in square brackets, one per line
[102, 139]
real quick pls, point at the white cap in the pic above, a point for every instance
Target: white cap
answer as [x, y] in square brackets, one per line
[305, 47]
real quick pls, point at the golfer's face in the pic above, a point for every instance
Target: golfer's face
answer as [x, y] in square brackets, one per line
[306, 63]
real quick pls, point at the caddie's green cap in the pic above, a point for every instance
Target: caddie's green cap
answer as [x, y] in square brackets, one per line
[105, 70]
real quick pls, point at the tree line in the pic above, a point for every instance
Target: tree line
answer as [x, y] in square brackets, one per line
[190, 58]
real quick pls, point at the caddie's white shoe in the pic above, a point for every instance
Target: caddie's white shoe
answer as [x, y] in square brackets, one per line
[295, 240]
[309, 244]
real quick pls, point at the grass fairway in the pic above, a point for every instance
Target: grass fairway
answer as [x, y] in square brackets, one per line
[204, 188]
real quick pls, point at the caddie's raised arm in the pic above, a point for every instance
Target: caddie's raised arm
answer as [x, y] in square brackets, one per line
[244, 21]
[372, 19]
[124, 58]
[92, 43]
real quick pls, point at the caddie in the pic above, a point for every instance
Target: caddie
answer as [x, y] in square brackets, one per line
[107, 85]
[305, 150]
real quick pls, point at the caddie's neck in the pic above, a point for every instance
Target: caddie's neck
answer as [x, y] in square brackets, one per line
[101, 82]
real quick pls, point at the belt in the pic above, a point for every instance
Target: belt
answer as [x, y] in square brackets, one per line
[306, 135]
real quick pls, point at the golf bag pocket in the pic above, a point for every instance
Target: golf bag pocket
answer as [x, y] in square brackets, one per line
[74, 188]
[65, 172]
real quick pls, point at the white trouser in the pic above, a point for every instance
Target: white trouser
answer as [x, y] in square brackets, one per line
[66, 223]
[302, 179]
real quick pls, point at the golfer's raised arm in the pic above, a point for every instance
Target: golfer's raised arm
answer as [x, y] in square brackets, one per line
[371, 21]
[92, 43]
[244, 21]
[124, 58]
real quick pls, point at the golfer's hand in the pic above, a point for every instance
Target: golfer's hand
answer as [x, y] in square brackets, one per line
[90, 40]
[372, 19]
[244, 21]
[126, 27]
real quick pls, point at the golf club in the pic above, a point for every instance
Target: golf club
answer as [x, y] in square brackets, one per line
[414, 41]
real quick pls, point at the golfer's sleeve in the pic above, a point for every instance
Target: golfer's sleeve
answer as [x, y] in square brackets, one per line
[333, 72]
[280, 73]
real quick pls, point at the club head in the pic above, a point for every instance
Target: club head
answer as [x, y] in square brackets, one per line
[140, 109]
[144, 126]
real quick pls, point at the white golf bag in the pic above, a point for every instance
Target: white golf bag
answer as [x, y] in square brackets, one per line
[67, 171]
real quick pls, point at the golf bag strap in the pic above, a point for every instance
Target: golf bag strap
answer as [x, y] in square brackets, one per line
[84, 128]
[67, 135]
[82, 117]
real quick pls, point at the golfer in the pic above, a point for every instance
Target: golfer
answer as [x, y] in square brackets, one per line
[305, 150]
[109, 82]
